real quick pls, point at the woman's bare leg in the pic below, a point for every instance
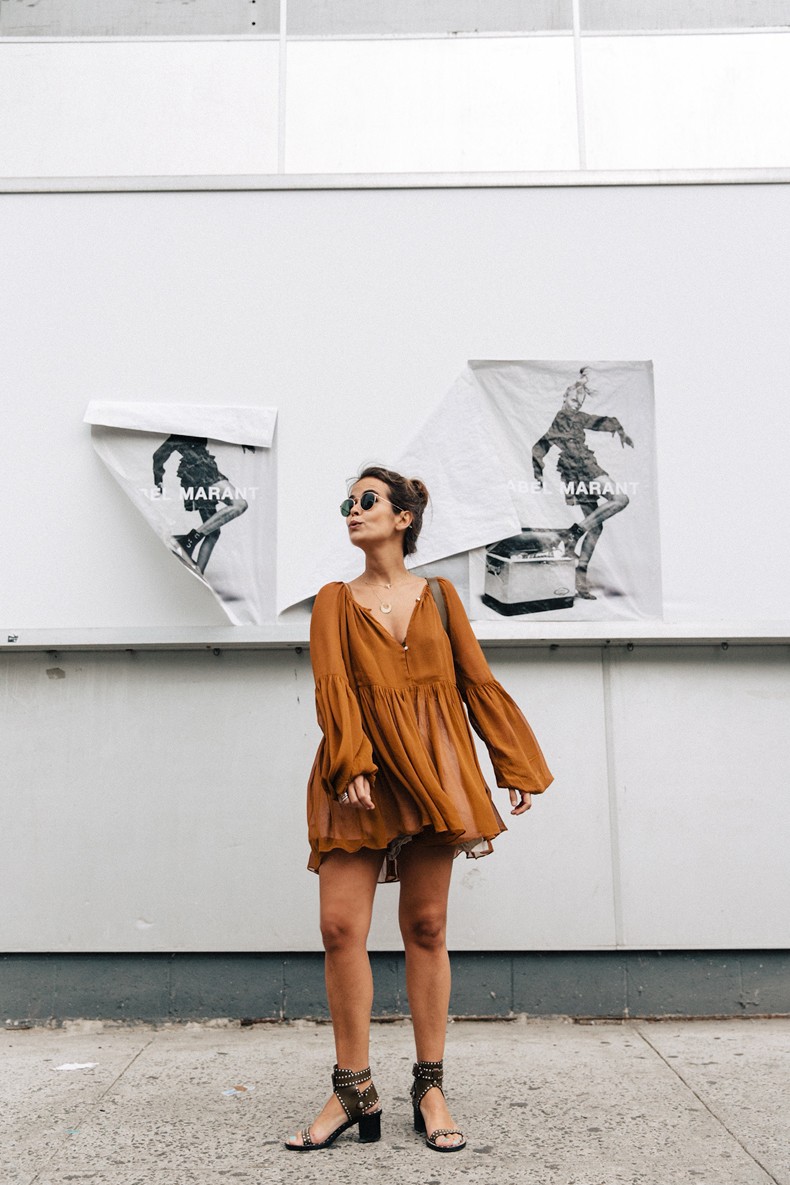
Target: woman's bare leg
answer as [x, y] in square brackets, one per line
[612, 504]
[425, 883]
[590, 528]
[234, 505]
[347, 887]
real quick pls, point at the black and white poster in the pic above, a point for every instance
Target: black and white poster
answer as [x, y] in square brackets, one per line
[576, 446]
[542, 480]
[205, 480]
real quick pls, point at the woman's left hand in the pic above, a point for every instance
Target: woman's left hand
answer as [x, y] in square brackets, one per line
[520, 800]
[358, 794]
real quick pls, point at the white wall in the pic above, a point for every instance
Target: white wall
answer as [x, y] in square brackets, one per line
[353, 313]
[155, 802]
[173, 107]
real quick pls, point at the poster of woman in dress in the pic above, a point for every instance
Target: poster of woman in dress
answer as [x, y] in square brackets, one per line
[576, 443]
[205, 479]
[543, 494]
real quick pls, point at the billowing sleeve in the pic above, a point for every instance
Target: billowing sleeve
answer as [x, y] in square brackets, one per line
[515, 754]
[602, 423]
[345, 750]
[161, 456]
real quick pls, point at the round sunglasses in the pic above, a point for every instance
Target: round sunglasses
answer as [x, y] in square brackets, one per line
[367, 499]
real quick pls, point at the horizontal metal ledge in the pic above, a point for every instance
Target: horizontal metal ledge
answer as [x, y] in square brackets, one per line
[492, 635]
[569, 178]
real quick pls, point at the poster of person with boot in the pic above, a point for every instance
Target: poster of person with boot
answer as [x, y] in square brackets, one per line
[544, 498]
[204, 477]
[576, 442]
[205, 490]
[586, 484]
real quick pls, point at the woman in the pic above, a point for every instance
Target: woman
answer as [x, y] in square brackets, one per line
[581, 475]
[205, 489]
[396, 791]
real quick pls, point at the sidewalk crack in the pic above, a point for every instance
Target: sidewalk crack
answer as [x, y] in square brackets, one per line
[88, 1112]
[708, 1107]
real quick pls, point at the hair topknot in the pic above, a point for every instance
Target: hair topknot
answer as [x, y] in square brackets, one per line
[408, 493]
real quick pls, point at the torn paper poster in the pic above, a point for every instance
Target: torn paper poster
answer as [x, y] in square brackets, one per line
[543, 474]
[205, 479]
[455, 455]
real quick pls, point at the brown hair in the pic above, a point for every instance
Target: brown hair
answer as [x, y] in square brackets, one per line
[408, 493]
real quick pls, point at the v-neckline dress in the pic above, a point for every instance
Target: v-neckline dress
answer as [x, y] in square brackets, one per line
[395, 712]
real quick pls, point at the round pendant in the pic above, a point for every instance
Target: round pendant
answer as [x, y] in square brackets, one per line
[387, 608]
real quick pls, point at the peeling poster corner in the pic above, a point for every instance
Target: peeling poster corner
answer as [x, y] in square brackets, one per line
[205, 480]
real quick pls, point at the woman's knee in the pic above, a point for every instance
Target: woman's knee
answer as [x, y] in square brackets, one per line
[340, 933]
[425, 930]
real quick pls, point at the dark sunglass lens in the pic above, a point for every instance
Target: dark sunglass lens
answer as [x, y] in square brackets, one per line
[367, 500]
[346, 507]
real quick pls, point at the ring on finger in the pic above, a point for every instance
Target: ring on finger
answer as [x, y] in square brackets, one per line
[344, 797]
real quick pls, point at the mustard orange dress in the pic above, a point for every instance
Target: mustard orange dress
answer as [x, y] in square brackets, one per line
[395, 712]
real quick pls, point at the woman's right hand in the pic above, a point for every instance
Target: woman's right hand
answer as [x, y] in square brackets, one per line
[359, 794]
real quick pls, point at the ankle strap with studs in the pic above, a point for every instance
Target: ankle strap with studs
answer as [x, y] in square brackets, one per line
[346, 1085]
[349, 1077]
[426, 1076]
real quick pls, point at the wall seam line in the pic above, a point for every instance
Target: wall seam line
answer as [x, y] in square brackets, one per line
[611, 781]
[282, 83]
[581, 130]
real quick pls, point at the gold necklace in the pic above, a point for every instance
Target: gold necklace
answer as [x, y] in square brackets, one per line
[385, 606]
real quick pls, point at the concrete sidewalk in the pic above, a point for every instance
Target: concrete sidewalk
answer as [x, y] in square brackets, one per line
[543, 1102]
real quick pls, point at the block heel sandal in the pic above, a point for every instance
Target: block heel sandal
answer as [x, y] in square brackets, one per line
[426, 1076]
[356, 1103]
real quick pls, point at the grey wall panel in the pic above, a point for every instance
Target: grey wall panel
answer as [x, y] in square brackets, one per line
[162, 803]
[348, 18]
[156, 803]
[163, 809]
[138, 18]
[652, 15]
[701, 757]
[46, 989]
[343, 18]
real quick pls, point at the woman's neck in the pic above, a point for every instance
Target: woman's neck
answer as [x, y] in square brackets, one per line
[388, 576]
[385, 568]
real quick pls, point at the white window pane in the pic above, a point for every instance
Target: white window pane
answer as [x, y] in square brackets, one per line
[696, 102]
[147, 108]
[431, 106]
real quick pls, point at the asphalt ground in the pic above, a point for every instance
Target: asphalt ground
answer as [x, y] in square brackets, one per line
[542, 1102]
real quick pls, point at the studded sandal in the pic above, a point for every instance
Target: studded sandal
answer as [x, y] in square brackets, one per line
[356, 1103]
[426, 1076]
